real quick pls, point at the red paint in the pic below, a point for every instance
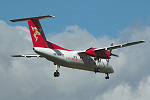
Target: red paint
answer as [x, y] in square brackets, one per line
[80, 60]
[38, 37]
[104, 54]
[54, 46]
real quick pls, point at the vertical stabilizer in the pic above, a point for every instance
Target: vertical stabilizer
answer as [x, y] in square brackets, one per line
[36, 31]
[37, 34]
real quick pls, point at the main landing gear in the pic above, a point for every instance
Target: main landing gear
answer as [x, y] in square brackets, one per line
[98, 69]
[107, 77]
[57, 74]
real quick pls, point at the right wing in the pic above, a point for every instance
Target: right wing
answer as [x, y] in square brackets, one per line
[120, 46]
[104, 53]
[27, 55]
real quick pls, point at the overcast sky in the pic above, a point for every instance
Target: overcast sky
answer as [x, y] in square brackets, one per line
[32, 79]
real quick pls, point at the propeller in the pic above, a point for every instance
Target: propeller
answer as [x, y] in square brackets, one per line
[114, 55]
[111, 54]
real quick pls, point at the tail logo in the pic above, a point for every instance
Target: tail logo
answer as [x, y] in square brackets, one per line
[35, 33]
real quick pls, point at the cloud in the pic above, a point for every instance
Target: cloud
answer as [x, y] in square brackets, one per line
[125, 92]
[23, 78]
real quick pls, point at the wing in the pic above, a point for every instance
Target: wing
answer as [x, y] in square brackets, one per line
[27, 55]
[110, 47]
[119, 46]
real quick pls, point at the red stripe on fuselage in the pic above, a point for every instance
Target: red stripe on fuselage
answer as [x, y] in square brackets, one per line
[38, 37]
[54, 46]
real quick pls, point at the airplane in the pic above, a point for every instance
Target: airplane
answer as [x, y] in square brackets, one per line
[92, 59]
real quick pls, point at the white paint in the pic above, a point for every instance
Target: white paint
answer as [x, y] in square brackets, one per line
[71, 59]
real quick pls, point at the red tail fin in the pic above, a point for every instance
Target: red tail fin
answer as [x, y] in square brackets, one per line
[37, 34]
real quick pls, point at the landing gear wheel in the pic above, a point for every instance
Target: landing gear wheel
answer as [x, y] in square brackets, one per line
[56, 74]
[107, 77]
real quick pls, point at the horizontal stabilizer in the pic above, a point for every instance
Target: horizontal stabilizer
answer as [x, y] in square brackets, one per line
[27, 56]
[30, 18]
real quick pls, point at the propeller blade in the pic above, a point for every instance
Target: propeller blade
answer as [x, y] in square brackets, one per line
[111, 45]
[110, 53]
[114, 55]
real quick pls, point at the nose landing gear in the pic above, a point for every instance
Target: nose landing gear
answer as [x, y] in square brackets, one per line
[57, 74]
[107, 77]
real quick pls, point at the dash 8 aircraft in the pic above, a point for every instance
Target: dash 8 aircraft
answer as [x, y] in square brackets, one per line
[92, 59]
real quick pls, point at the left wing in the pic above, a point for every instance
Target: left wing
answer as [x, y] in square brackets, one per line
[27, 55]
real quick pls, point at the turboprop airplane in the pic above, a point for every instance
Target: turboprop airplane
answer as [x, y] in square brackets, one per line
[92, 59]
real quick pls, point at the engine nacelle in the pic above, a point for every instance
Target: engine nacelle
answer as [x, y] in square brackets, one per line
[104, 54]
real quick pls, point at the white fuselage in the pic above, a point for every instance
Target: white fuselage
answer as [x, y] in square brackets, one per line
[72, 59]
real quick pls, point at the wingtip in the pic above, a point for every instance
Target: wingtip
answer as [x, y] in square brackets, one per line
[143, 41]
